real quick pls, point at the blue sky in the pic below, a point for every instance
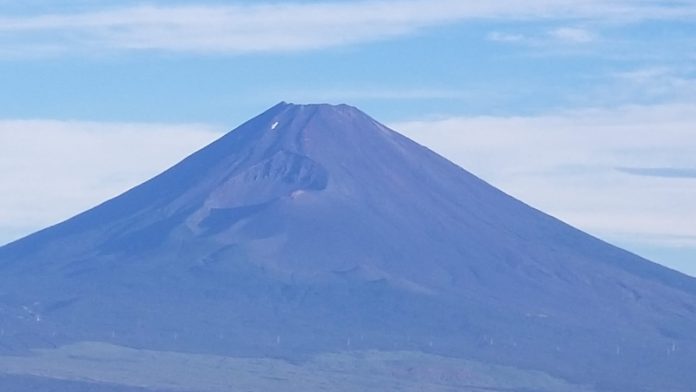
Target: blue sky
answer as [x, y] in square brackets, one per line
[586, 110]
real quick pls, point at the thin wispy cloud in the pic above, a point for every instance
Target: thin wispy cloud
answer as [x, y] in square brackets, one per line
[572, 34]
[497, 36]
[367, 93]
[291, 26]
[662, 172]
[560, 35]
[661, 83]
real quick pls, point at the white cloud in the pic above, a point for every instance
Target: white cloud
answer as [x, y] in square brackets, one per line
[570, 164]
[560, 35]
[498, 36]
[52, 170]
[291, 26]
[572, 35]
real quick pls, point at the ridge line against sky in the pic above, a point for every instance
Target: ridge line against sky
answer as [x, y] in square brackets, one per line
[554, 162]
[585, 109]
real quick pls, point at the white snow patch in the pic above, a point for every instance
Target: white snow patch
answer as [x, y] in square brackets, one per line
[275, 124]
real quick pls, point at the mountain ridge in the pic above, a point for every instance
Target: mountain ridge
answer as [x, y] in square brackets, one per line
[312, 225]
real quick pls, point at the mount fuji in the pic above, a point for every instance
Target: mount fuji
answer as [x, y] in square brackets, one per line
[313, 248]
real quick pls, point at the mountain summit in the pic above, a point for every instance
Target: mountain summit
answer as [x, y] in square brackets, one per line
[315, 229]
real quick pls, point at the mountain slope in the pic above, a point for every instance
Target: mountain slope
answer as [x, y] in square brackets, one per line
[313, 228]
